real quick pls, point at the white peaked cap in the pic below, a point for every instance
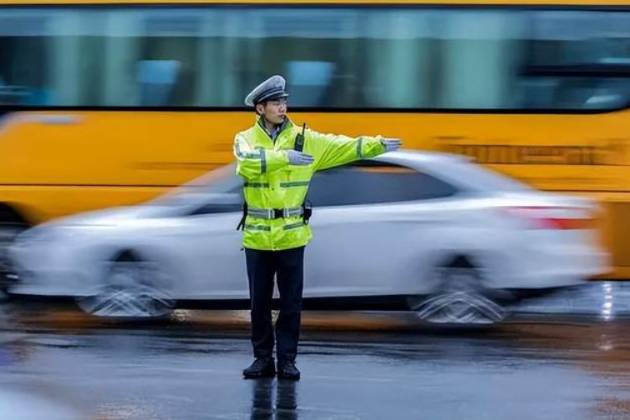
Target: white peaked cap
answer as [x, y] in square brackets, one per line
[271, 88]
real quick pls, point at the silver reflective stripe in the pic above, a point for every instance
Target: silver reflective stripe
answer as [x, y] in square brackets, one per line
[359, 145]
[237, 148]
[263, 161]
[256, 185]
[257, 227]
[295, 211]
[293, 226]
[294, 184]
[269, 213]
[260, 213]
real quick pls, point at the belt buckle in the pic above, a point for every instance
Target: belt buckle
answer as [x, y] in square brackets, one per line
[278, 213]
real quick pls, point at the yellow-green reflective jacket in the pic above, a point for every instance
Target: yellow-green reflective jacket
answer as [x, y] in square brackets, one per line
[272, 183]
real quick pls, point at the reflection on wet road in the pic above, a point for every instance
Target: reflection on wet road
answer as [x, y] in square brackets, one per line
[566, 357]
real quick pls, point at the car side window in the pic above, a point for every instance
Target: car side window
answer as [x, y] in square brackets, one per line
[369, 182]
[230, 203]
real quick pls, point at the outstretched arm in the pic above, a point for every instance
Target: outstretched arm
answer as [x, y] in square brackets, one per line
[333, 150]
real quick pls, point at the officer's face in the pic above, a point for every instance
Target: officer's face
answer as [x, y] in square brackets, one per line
[275, 111]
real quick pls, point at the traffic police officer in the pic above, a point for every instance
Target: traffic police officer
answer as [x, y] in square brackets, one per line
[277, 159]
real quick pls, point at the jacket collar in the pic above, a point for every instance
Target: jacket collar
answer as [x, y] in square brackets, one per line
[279, 129]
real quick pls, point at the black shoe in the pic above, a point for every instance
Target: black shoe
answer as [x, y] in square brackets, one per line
[287, 370]
[261, 368]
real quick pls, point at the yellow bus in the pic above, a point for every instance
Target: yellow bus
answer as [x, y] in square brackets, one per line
[108, 103]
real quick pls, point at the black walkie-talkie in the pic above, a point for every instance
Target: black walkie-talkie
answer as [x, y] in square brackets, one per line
[299, 139]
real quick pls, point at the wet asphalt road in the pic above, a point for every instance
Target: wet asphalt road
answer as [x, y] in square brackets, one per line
[565, 356]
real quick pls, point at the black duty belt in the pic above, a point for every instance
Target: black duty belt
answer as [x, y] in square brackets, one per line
[305, 211]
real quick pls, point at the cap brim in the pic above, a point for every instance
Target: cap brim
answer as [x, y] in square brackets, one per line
[250, 101]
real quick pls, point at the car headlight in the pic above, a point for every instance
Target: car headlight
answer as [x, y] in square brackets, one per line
[55, 232]
[44, 234]
[35, 235]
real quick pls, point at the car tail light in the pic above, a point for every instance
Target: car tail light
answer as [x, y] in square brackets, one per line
[551, 217]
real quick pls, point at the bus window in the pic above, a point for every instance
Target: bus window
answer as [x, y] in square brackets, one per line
[349, 57]
[22, 61]
[480, 54]
[577, 60]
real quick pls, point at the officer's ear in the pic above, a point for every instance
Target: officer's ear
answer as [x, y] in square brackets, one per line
[260, 108]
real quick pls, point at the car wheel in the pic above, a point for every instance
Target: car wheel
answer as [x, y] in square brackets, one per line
[132, 288]
[8, 232]
[460, 298]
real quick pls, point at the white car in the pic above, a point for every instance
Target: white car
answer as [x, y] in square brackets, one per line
[428, 232]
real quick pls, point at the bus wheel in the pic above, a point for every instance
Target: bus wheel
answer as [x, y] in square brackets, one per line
[459, 298]
[132, 288]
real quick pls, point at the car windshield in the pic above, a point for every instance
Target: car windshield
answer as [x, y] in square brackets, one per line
[478, 178]
[219, 181]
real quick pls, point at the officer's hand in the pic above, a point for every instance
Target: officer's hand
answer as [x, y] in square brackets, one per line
[391, 144]
[299, 158]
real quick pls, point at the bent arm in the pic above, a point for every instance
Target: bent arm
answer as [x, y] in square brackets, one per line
[252, 163]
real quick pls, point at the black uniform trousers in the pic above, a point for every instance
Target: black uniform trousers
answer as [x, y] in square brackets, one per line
[288, 267]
